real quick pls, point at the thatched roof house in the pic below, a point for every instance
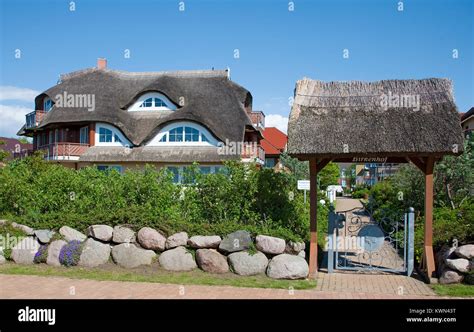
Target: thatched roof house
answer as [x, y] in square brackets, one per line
[392, 118]
[142, 117]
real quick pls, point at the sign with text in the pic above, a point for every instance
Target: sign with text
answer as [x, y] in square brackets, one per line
[303, 184]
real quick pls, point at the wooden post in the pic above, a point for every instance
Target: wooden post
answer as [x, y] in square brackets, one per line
[428, 245]
[313, 217]
[91, 134]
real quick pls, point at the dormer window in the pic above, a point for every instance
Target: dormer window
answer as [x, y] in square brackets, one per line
[47, 104]
[152, 101]
[183, 133]
[110, 136]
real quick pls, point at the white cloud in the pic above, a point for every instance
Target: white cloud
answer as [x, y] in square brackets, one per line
[276, 120]
[16, 93]
[11, 119]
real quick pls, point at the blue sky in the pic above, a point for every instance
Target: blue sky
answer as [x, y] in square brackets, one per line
[276, 46]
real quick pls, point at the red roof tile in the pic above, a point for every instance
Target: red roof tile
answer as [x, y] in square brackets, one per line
[274, 141]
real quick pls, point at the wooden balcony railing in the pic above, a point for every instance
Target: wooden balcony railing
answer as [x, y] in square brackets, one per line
[34, 118]
[252, 150]
[63, 150]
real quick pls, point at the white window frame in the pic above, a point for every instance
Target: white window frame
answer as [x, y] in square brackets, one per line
[170, 106]
[213, 170]
[115, 131]
[211, 140]
[109, 167]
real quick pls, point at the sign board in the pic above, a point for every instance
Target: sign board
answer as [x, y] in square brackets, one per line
[303, 184]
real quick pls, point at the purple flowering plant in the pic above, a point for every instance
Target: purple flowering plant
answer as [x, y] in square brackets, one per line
[41, 255]
[70, 253]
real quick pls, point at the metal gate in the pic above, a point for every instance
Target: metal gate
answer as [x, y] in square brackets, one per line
[364, 241]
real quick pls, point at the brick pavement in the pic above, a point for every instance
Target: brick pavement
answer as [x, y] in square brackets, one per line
[336, 286]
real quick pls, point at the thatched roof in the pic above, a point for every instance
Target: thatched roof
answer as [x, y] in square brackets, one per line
[145, 154]
[340, 119]
[210, 98]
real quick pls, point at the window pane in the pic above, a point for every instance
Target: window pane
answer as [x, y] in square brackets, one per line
[205, 169]
[105, 135]
[204, 138]
[159, 103]
[175, 172]
[147, 103]
[102, 168]
[176, 134]
[117, 139]
[163, 139]
[192, 135]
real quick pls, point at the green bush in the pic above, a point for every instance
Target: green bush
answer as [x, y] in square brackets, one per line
[47, 196]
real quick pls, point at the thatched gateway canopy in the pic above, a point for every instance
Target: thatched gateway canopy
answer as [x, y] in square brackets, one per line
[385, 121]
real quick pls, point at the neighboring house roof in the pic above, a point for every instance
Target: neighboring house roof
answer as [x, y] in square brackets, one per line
[332, 119]
[469, 114]
[207, 97]
[274, 142]
[13, 145]
[176, 154]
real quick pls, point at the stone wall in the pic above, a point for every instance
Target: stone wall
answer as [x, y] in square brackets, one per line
[237, 252]
[456, 264]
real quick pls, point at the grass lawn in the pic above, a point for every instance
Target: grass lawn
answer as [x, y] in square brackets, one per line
[155, 274]
[454, 290]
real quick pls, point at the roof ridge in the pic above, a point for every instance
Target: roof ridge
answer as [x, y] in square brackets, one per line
[175, 73]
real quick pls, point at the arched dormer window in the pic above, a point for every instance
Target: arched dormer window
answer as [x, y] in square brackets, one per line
[183, 133]
[152, 101]
[108, 135]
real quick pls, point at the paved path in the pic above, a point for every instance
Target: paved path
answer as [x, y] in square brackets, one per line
[337, 286]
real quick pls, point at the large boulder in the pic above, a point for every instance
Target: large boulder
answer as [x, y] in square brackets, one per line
[442, 255]
[204, 242]
[465, 251]
[236, 241]
[459, 264]
[450, 277]
[177, 259]
[94, 253]
[176, 240]
[123, 235]
[44, 235]
[25, 250]
[246, 264]
[130, 256]
[294, 248]
[287, 266]
[25, 229]
[270, 245]
[54, 249]
[70, 234]
[469, 279]
[100, 232]
[150, 238]
[210, 260]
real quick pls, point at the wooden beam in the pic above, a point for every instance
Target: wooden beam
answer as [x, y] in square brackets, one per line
[418, 163]
[428, 243]
[322, 163]
[313, 217]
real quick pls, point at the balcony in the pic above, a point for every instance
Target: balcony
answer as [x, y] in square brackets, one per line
[63, 150]
[34, 118]
[252, 151]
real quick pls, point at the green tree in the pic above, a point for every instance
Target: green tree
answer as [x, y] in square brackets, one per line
[3, 154]
[329, 175]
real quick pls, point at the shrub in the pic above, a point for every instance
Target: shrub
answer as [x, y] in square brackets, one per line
[71, 253]
[47, 196]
